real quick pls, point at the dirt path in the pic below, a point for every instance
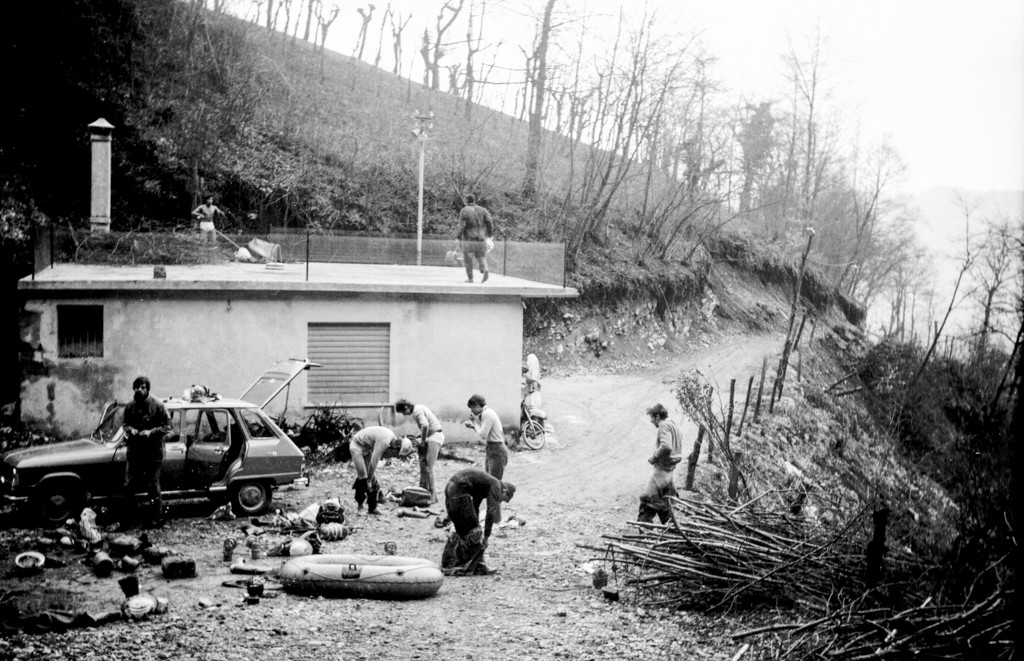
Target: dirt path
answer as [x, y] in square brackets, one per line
[603, 437]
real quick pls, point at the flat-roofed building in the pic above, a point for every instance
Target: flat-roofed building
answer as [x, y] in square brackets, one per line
[379, 333]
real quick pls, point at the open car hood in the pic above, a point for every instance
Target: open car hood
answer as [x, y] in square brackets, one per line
[275, 379]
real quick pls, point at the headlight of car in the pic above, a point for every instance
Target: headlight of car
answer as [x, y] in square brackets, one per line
[8, 479]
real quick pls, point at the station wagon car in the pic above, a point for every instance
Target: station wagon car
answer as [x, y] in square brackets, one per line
[218, 448]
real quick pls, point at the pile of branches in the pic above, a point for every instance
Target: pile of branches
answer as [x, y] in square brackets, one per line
[857, 632]
[710, 558]
[330, 431]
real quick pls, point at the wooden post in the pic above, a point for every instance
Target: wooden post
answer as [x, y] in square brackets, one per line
[814, 327]
[746, 404]
[734, 476]
[780, 378]
[803, 320]
[728, 422]
[711, 421]
[760, 390]
[876, 547]
[796, 504]
[691, 467]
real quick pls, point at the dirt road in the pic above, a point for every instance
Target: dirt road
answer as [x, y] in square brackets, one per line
[540, 605]
[602, 435]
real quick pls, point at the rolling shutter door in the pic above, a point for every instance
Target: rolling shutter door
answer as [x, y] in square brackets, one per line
[356, 363]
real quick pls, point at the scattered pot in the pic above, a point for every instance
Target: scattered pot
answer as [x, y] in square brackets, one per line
[29, 562]
[102, 565]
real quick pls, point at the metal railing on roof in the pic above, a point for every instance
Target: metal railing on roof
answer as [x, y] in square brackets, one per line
[535, 261]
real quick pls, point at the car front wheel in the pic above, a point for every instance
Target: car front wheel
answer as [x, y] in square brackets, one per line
[56, 502]
[250, 498]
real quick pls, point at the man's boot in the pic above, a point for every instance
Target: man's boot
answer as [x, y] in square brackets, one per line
[371, 500]
[646, 512]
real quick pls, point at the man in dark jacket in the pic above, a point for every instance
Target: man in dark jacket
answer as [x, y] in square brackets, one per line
[475, 227]
[466, 490]
[146, 423]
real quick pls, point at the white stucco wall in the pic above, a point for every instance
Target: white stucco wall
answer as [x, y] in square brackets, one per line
[443, 349]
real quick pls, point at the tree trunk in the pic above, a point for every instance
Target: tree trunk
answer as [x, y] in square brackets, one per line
[533, 143]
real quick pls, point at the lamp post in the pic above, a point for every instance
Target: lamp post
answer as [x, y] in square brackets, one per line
[424, 124]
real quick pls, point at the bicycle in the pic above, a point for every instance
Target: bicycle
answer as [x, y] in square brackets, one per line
[531, 426]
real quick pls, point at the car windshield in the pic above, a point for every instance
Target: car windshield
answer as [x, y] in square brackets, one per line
[110, 422]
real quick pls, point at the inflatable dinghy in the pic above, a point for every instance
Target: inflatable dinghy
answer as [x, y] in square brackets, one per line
[361, 576]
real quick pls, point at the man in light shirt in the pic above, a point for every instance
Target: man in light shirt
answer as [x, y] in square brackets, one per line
[367, 447]
[668, 451]
[430, 441]
[486, 423]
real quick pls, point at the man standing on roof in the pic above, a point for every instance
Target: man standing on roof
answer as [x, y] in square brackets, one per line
[367, 447]
[463, 553]
[205, 213]
[146, 423]
[487, 423]
[431, 440]
[668, 451]
[475, 227]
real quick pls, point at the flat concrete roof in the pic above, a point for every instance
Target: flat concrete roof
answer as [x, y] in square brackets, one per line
[321, 278]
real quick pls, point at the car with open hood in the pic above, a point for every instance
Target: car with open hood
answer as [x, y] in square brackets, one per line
[218, 448]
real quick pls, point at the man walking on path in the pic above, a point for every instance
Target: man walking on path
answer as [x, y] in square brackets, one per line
[431, 440]
[367, 447]
[668, 451]
[146, 423]
[475, 227]
[466, 490]
[487, 423]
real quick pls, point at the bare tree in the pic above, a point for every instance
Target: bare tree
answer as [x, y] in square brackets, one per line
[257, 11]
[995, 267]
[757, 141]
[473, 46]
[397, 27]
[380, 36]
[366, 15]
[310, 11]
[454, 88]
[432, 50]
[286, 7]
[324, 21]
[966, 264]
[539, 81]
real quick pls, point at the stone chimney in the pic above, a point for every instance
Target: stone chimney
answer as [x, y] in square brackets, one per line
[99, 208]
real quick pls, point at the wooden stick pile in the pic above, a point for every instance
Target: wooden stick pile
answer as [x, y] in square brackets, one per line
[969, 631]
[711, 557]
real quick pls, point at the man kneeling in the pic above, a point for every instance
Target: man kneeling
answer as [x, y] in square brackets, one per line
[464, 552]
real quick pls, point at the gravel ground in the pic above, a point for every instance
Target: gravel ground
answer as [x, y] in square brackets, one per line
[541, 603]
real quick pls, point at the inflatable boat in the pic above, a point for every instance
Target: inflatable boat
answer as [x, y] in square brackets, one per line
[361, 576]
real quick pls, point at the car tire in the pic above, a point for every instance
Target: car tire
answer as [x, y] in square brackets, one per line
[250, 498]
[57, 501]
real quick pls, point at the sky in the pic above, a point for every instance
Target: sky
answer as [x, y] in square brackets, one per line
[942, 80]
